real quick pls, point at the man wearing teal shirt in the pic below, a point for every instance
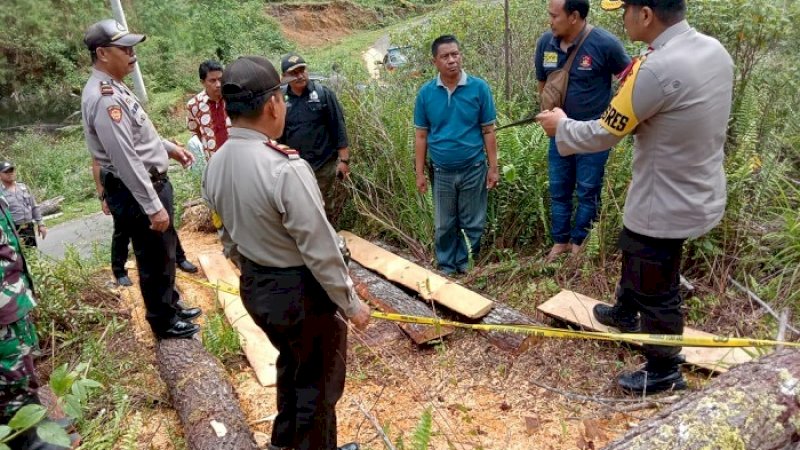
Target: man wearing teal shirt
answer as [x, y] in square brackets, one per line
[454, 117]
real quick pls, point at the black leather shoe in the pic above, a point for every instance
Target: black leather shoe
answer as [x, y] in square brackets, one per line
[189, 313]
[612, 317]
[350, 446]
[651, 382]
[186, 266]
[124, 281]
[180, 330]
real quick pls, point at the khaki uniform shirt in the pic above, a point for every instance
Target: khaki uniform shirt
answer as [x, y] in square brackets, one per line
[21, 204]
[121, 137]
[272, 212]
[676, 101]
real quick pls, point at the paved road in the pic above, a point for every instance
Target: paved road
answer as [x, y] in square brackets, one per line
[82, 233]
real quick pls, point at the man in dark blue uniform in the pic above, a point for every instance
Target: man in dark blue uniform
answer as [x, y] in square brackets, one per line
[599, 56]
[315, 127]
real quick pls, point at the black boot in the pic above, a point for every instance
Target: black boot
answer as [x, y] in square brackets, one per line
[658, 376]
[614, 316]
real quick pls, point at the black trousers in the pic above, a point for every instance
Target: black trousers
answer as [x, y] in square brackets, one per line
[27, 233]
[300, 321]
[119, 250]
[649, 284]
[154, 251]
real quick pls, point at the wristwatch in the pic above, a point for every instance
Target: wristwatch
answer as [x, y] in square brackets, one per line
[345, 160]
[101, 196]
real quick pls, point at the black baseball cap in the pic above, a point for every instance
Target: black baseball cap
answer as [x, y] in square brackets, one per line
[247, 80]
[110, 32]
[5, 166]
[610, 5]
[291, 62]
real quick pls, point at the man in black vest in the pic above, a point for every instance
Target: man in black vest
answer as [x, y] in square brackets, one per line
[315, 127]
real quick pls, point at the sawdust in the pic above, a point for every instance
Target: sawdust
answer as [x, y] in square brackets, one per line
[479, 396]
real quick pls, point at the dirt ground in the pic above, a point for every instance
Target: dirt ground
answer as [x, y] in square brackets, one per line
[314, 25]
[480, 397]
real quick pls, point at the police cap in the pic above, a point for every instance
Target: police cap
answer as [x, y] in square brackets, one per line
[110, 32]
[247, 81]
[610, 5]
[291, 62]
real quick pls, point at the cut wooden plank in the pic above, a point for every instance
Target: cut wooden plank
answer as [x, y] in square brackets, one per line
[391, 299]
[577, 308]
[429, 285]
[257, 348]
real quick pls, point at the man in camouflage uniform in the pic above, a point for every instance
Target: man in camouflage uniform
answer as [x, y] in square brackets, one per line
[18, 382]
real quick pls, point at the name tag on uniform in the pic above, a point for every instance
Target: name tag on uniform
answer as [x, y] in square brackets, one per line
[550, 60]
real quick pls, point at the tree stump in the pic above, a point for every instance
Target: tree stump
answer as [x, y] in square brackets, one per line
[203, 396]
[197, 217]
[755, 406]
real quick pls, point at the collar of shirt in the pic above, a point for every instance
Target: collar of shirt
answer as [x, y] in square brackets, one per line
[309, 87]
[106, 77]
[556, 41]
[461, 81]
[247, 133]
[669, 33]
[97, 73]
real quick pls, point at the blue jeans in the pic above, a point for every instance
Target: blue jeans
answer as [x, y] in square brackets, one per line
[459, 200]
[581, 176]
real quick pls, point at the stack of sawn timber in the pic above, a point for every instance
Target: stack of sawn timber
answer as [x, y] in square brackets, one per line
[435, 290]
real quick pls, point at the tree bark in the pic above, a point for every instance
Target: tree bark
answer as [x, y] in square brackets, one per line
[512, 342]
[391, 299]
[755, 406]
[51, 206]
[203, 397]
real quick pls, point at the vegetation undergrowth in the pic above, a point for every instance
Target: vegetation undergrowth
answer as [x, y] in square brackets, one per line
[756, 243]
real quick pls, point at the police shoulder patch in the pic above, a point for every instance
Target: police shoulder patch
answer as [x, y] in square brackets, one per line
[115, 113]
[620, 118]
[286, 150]
[106, 88]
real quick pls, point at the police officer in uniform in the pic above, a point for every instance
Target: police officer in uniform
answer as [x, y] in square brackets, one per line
[675, 100]
[22, 205]
[132, 162]
[293, 276]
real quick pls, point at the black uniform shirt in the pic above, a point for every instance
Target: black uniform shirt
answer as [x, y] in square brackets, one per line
[314, 124]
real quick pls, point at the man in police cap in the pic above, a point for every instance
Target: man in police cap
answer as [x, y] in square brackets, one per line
[675, 99]
[315, 127]
[132, 162]
[21, 205]
[293, 276]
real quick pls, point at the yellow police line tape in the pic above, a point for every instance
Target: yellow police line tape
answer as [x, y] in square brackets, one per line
[671, 340]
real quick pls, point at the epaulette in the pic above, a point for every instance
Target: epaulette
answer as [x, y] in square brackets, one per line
[106, 88]
[286, 150]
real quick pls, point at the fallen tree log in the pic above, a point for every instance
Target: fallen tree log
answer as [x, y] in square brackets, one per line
[391, 299]
[513, 342]
[203, 396]
[51, 206]
[754, 406]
